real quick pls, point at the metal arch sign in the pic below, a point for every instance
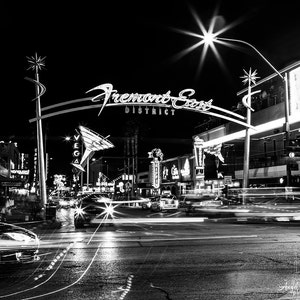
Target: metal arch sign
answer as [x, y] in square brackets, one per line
[110, 97]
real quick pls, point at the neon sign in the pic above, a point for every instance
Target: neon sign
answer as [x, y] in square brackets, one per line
[161, 104]
[186, 168]
[182, 101]
[199, 157]
[76, 149]
[157, 156]
[174, 172]
[154, 111]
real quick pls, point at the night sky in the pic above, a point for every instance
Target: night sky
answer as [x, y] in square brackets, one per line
[134, 45]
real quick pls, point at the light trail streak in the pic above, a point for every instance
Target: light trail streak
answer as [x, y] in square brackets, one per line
[149, 220]
[70, 285]
[38, 285]
[102, 221]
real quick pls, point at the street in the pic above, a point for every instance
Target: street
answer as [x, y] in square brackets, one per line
[161, 260]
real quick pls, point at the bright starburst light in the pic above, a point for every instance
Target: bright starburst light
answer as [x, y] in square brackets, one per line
[207, 37]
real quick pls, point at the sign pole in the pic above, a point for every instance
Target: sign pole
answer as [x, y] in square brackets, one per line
[36, 63]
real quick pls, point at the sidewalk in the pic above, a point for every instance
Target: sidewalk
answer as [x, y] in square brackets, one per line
[26, 220]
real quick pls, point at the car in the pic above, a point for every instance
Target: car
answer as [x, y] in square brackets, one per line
[198, 203]
[287, 202]
[91, 206]
[135, 200]
[17, 245]
[166, 202]
[276, 208]
[148, 204]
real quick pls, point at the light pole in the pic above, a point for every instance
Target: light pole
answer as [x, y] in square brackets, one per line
[37, 63]
[249, 78]
[209, 38]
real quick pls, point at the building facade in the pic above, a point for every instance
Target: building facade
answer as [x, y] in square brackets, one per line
[276, 134]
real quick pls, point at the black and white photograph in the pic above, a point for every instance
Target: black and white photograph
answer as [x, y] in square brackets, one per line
[150, 150]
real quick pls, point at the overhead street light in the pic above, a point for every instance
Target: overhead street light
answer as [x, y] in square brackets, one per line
[209, 39]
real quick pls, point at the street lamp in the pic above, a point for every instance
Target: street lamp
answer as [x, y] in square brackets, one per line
[209, 38]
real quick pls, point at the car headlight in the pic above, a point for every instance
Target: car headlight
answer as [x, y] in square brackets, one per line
[79, 211]
[109, 210]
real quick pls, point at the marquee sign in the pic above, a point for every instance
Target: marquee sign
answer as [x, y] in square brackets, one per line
[158, 104]
[157, 156]
[20, 172]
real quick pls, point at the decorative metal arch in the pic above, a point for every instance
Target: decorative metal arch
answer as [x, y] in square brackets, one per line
[111, 98]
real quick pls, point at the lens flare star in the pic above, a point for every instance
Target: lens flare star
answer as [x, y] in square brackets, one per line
[208, 38]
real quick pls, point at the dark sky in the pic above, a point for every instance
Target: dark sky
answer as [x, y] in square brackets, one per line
[132, 44]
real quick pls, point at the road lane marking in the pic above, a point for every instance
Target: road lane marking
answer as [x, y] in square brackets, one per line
[147, 220]
[174, 238]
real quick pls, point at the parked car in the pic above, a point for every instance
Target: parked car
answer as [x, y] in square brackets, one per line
[17, 245]
[184, 200]
[148, 204]
[166, 202]
[89, 207]
[136, 200]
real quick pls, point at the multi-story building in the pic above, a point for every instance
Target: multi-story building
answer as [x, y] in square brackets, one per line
[14, 166]
[276, 121]
[14, 173]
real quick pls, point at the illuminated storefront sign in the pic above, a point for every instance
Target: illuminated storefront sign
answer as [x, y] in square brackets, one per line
[199, 157]
[174, 172]
[76, 149]
[165, 173]
[186, 171]
[35, 168]
[19, 172]
[157, 157]
[59, 181]
[155, 173]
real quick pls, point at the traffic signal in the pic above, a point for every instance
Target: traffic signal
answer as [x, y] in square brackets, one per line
[293, 148]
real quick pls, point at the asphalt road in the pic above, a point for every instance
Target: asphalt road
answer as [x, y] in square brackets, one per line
[161, 260]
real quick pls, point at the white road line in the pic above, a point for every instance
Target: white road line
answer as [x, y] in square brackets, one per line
[148, 220]
[175, 238]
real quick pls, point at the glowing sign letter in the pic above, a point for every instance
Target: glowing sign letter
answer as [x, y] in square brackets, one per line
[107, 89]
